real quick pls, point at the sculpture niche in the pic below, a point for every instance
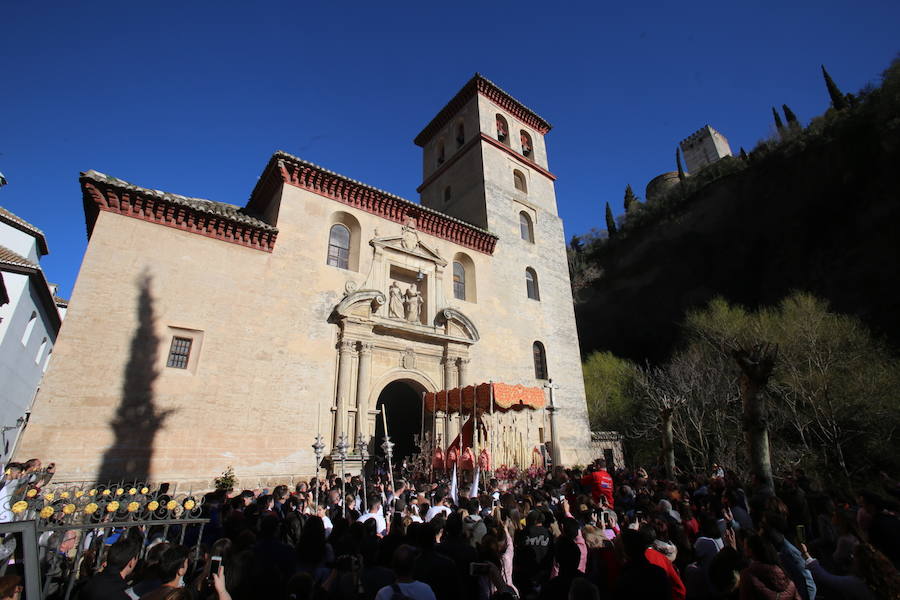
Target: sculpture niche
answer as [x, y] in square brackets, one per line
[405, 306]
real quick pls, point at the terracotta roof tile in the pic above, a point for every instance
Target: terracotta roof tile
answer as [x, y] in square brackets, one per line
[8, 257]
[221, 209]
[23, 225]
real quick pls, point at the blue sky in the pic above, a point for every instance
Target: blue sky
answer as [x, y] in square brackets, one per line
[193, 97]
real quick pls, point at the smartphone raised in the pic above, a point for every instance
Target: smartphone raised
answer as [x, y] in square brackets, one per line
[214, 563]
[801, 534]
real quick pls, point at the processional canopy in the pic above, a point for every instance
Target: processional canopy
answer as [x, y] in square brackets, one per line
[506, 397]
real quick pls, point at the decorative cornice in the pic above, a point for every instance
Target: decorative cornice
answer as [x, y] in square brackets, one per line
[285, 168]
[493, 142]
[211, 219]
[491, 91]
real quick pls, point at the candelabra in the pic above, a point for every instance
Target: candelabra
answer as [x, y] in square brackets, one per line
[342, 454]
[362, 447]
[317, 447]
[388, 447]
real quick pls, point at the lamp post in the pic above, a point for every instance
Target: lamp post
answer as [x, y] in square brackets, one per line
[318, 447]
[554, 441]
[342, 454]
[362, 446]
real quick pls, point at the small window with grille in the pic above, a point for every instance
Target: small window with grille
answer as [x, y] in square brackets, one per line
[179, 353]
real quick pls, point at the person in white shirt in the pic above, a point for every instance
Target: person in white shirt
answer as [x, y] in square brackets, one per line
[403, 563]
[442, 507]
[375, 513]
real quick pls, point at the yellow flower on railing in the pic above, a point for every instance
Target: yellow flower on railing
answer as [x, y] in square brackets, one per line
[133, 506]
[171, 504]
[79, 493]
[112, 506]
[189, 504]
[47, 512]
[145, 489]
[64, 495]
[132, 491]
[153, 505]
[49, 496]
[31, 493]
[68, 509]
[107, 492]
[92, 492]
[119, 492]
[91, 508]
[20, 507]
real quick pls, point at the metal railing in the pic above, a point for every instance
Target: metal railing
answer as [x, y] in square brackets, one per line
[59, 534]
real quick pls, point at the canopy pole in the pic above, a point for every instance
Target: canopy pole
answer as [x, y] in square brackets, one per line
[493, 422]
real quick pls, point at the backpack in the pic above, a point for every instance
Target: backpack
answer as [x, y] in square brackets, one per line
[398, 593]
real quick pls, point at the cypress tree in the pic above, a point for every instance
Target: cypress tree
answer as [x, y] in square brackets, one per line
[743, 154]
[630, 198]
[838, 101]
[681, 174]
[778, 124]
[792, 121]
[610, 221]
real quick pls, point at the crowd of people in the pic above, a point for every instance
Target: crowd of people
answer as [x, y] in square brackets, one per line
[568, 534]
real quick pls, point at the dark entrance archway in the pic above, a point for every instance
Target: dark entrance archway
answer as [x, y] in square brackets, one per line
[404, 414]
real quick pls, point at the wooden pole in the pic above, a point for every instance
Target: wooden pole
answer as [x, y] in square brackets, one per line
[493, 424]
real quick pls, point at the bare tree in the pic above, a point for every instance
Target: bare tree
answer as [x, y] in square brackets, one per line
[756, 366]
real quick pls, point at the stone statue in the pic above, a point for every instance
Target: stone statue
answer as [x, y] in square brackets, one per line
[395, 302]
[414, 303]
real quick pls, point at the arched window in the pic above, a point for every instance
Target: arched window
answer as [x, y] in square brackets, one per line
[519, 181]
[29, 328]
[531, 284]
[526, 143]
[526, 229]
[464, 284]
[502, 130]
[460, 135]
[448, 194]
[540, 360]
[440, 153]
[40, 352]
[339, 246]
[459, 281]
[47, 360]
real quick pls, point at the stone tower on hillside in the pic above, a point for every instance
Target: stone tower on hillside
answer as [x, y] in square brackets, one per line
[704, 147]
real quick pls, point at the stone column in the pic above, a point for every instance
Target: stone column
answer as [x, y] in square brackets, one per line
[449, 364]
[362, 390]
[345, 356]
[463, 375]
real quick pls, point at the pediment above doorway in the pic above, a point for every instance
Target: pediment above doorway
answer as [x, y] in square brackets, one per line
[408, 242]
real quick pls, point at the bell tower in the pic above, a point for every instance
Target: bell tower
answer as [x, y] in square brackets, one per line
[483, 151]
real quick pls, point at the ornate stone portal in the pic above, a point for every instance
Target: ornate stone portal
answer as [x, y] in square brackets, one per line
[397, 327]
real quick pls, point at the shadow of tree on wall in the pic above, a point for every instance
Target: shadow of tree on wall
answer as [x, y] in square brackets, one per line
[137, 419]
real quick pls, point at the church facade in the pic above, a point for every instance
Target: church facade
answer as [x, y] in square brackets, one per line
[202, 335]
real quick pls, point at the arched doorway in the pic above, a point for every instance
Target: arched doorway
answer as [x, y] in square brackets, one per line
[403, 400]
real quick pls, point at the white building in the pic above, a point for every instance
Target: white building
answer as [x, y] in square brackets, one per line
[30, 317]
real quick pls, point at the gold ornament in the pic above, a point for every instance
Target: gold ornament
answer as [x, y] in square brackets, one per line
[90, 509]
[79, 493]
[20, 507]
[92, 493]
[64, 495]
[133, 506]
[68, 509]
[47, 512]
[49, 496]
[31, 493]
[153, 505]
[119, 492]
[132, 491]
[189, 504]
[107, 492]
[112, 506]
[145, 489]
[171, 504]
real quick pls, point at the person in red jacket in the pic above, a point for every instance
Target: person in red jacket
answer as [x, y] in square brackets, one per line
[654, 557]
[599, 482]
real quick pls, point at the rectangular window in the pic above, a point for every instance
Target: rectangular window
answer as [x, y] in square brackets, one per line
[338, 257]
[179, 353]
